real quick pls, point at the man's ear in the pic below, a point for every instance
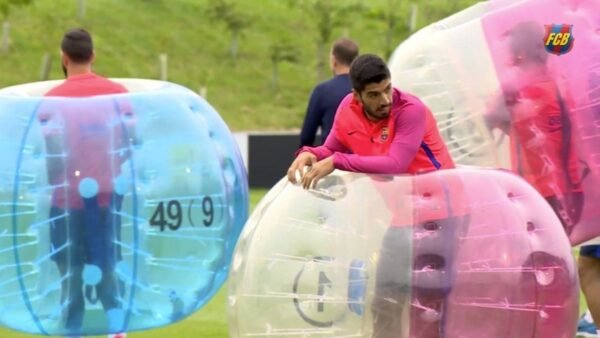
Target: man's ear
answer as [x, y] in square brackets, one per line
[64, 58]
[332, 62]
[356, 94]
[93, 58]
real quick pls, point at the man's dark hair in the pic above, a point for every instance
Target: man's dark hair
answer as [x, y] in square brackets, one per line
[345, 51]
[367, 69]
[77, 44]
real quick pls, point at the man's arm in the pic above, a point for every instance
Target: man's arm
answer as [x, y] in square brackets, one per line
[52, 126]
[312, 119]
[309, 156]
[126, 122]
[332, 145]
[569, 150]
[497, 115]
[405, 144]
[410, 129]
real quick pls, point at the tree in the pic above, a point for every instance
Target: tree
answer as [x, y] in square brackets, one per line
[435, 10]
[392, 15]
[398, 17]
[326, 15]
[5, 8]
[282, 51]
[234, 20]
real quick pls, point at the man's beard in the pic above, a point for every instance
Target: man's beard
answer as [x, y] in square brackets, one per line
[375, 114]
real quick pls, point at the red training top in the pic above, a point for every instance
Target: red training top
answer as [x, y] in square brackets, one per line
[408, 141]
[542, 144]
[84, 138]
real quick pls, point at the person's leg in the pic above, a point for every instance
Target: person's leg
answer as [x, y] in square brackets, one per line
[589, 278]
[392, 283]
[560, 209]
[434, 250]
[107, 230]
[575, 203]
[66, 239]
[387, 311]
[72, 296]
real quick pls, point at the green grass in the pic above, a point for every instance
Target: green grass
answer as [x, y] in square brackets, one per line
[209, 322]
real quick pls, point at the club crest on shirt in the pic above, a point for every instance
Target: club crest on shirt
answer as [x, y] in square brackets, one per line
[385, 133]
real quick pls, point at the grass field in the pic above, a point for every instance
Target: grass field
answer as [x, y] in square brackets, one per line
[210, 322]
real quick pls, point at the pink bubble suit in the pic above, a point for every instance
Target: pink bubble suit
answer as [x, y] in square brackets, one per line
[453, 253]
[508, 91]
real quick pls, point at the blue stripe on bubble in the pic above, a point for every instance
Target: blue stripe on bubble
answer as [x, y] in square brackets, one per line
[19, 272]
[135, 244]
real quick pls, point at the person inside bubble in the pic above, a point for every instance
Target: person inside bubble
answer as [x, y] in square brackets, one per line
[87, 141]
[533, 110]
[379, 129]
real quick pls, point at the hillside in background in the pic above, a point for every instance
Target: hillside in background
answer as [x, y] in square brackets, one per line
[131, 35]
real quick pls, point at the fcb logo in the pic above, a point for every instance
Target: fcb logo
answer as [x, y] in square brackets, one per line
[559, 39]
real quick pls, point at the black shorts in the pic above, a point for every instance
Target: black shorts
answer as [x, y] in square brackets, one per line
[89, 235]
[592, 251]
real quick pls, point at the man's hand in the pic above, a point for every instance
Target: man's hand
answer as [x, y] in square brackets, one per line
[318, 171]
[304, 159]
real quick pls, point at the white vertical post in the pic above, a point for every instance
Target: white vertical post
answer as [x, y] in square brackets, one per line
[163, 66]
[5, 34]
[414, 8]
[202, 91]
[81, 9]
[46, 62]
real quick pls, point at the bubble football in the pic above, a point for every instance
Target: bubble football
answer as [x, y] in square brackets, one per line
[453, 253]
[119, 212]
[515, 84]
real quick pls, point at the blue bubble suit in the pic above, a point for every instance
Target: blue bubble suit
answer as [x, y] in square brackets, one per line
[117, 212]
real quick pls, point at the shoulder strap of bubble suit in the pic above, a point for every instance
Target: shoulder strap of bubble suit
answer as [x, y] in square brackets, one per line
[567, 139]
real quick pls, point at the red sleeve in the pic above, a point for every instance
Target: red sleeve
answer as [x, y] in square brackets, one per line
[572, 158]
[332, 145]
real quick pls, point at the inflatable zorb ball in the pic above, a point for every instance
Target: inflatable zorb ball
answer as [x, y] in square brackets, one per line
[117, 212]
[454, 253]
[515, 84]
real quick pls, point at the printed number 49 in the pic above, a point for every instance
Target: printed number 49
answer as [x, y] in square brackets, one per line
[173, 214]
